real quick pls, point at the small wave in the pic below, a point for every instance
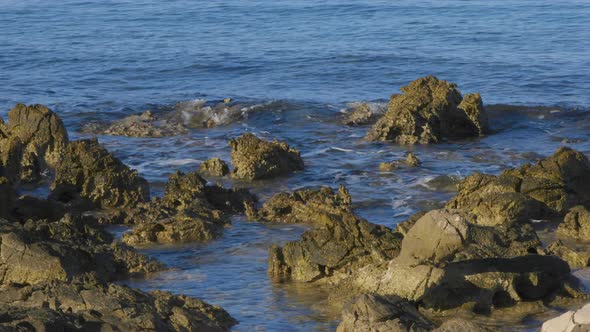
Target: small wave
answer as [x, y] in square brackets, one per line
[341, 149]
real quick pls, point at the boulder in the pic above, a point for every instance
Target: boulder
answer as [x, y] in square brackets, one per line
[338, 245]
[576, 224]
[254, 158]
[214, 167]
[383, 313]
[42, 136]
[410, 161]
[446, 262]
[87, 304]
[97, 175]
[428, 111]
[571, 321]
[306, 206]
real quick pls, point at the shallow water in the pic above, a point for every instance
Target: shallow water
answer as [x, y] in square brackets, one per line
[102, 60]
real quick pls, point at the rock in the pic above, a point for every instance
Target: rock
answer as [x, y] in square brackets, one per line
[574, 257]
[145, 124]
[461, 325]
[190, 210]
[43, 138]
[404, 226]
[254, 158]
[11, 154]
[428, 111]
[88, 304]
[447, 262]
[576, 224]
[573, 321]
[560, 181]
[360, 113]
[339, 244]
[41, 251]
[100, 177]
[410, 161]
[379, 313]
[306, 206]
[7, 198]
[214, 167]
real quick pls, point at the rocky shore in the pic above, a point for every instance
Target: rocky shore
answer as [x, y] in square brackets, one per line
[479, 253]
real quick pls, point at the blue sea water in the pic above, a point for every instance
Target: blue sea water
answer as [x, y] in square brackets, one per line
[91, 60]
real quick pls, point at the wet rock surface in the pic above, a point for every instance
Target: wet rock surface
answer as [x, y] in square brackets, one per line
[429, 111]
[254, 158]
[410, 161]
[146, 124]
[89, 170]
[361, 113]
[578, 320]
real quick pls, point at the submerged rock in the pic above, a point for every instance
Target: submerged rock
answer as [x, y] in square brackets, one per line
[428, 111]
[92, 172]
[214, 167]
[254, 158]
[146, 124]
[87, 304]
[576, 224]
[360, 113]
[383, 313]
[306, 206]
[410, 161]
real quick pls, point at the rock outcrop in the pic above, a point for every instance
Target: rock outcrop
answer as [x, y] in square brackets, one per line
[189, 211]
[214, 167]
[410, 161]
[575, 257]
[338, 246]
[146, 124]
[429, 111]
[306, 206]
[542, 191]
[254, 158]
[86, 304]
[90, 171]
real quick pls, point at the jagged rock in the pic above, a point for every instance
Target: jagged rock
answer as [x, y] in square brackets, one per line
[575, 257]
[97, 175]
[145, 124]
[576, 224]
[43, 139]
[383, 313]
[571, 321]
[86, 304]
[494, 201]
[42, 251]
[410, 161]
[254, 158]
[189, 211]
[214, 167]
[428, 111]
[306, 206]
[447, 262]
[359, 114]
[339, 244]
[549, 188]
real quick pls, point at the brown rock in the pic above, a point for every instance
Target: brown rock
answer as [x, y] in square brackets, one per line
[214, 167]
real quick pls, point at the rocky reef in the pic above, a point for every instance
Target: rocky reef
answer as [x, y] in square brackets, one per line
[429, 111]
[214, 167]
[254, 158]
